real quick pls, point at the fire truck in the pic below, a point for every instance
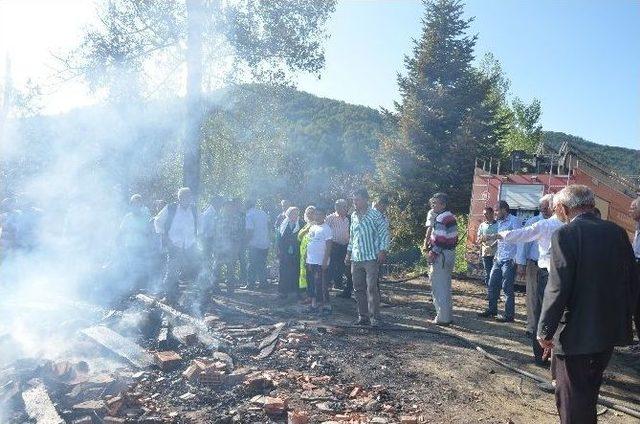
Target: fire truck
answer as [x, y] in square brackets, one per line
[548, 171]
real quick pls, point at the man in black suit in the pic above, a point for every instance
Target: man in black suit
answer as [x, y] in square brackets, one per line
[588, 302]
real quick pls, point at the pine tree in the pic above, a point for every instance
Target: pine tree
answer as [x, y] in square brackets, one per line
[446, 119]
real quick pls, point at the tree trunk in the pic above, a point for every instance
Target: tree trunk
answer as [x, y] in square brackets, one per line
[194, 106]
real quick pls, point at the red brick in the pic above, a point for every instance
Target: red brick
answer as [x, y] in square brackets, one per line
[191, 373]
[274, 406]
[297, 417]
[114, 405]
[167, 360]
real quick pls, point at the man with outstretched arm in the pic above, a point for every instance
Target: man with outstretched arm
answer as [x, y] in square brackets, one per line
[588, 302]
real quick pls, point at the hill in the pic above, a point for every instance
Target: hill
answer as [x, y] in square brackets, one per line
[622, 160]
[259, 140]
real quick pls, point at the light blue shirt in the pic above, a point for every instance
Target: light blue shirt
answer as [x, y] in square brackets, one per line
[528, 251]
[507, 251]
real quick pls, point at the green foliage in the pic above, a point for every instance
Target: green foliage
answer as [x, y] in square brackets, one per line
[622, 160]
[461, 265]
[525, 132]
[137, 48]
[448, 116]
[521, 129]
[285, 143]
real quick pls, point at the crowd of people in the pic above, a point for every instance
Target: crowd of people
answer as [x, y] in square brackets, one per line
[582, 286]
[228, 245]
[581, 272]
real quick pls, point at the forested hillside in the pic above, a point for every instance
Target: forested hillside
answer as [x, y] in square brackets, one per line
[259, 141]
[624, 161]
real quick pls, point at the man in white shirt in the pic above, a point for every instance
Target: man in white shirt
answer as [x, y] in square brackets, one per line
[257, 233]
[527, 263]
[540, 232]
[339, 224]
[503, 272]
[178, 224]
[207, 233]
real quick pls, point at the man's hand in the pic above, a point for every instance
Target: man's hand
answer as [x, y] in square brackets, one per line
[347, 258]
[547, 346]
[382, 257]
[521, 270]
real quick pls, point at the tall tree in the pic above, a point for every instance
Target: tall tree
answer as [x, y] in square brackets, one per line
[525, 131]
[447, 118]
[198, 44]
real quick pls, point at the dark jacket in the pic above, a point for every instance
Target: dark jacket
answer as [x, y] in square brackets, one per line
[589, 299]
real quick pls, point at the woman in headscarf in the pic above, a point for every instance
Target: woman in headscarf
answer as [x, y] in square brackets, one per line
[289, 253]
[303, 238]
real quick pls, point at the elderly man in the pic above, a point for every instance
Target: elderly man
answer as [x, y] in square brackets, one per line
[587, 303]
[443, 238]
[503, 272]
[635, 215]
[258, 236]
[339, 223]
[367, 249]
[207, 234]
[178, 224]
[539, 233]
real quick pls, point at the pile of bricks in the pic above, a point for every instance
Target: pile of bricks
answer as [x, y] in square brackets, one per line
[206, 371]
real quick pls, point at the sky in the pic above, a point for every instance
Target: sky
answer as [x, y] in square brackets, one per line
[579, 57]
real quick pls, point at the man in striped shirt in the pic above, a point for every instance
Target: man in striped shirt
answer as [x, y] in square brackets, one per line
[442, 240]
[339, 224]
[367, 250]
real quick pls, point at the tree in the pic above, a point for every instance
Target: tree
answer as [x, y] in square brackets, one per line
[525, 132]
[140, 47]
[447, 118]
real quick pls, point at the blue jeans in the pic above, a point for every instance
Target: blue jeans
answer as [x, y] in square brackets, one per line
[502, 275]
[487, 264]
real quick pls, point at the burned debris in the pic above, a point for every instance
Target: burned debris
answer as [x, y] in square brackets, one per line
[170, 372]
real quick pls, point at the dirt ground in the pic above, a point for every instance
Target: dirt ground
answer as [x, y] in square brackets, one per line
[321, 365]
[440, 378]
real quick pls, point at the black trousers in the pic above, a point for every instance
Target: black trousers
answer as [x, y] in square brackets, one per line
[543, 277]
[578, 380]
[257, 268]
[338, 269]
[636, 315]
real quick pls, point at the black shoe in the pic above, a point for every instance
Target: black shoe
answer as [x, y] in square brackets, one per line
[487, 314]
[502, 318]
[362, 321]
[547, 387]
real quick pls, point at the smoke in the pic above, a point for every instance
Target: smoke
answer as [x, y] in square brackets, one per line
[70, 177]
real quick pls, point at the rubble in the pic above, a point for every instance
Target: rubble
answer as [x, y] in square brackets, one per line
[297, 417]
[119, 345]
[39, 407]
[274, 405]
[167, 360]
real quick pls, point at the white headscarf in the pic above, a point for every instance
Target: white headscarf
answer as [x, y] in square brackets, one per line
[286, 221]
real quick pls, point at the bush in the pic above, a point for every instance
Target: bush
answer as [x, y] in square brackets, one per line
[461, 266]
